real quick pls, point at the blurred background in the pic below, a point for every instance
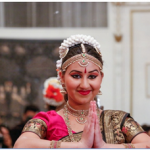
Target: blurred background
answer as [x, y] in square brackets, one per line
[31, 32]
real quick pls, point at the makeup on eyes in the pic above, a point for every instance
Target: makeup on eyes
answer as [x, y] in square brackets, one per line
[76, 71]
[94, 73]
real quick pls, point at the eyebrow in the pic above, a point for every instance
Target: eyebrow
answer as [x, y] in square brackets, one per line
[76, 71]
[94, 70]
[81, 72]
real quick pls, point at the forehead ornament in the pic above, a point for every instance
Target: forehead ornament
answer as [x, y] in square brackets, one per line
[84, 62]
[85, 58]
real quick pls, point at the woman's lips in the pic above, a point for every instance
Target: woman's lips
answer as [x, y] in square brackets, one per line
[84, 92]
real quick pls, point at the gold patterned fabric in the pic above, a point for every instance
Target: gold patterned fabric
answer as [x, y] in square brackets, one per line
[115, 123]
[116, 126]
[37, 126]
[112, 126]
[130, 129]
[77, 137]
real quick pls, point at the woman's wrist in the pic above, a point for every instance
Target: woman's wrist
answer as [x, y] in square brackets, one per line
[80, 144]
[101, 145]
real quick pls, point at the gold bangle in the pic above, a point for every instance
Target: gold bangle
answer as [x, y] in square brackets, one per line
[52, 144]
[55, 144]
[59, 143]
[129, 145]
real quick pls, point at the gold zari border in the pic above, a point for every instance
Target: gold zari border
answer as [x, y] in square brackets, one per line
[37, 126]
[131, 128]
[115, 126]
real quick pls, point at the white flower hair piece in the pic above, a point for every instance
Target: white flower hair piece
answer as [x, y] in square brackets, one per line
[77, 39]
[55, 83]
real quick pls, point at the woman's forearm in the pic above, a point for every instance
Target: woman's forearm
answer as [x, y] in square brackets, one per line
[24, 142]
[128, 145]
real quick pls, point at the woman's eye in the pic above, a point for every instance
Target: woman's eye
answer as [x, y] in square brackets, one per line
[76, 76]
[92, 76]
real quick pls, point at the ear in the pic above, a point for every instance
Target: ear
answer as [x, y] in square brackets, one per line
[61, 77]
[102, 74]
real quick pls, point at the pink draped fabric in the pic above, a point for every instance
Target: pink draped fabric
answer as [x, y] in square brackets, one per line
[56, 127]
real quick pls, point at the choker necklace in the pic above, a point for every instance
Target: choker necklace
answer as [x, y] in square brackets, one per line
[79, 114]
[71, 136]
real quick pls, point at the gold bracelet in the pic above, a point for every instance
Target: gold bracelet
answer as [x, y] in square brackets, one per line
[58, 144]
[55, 144]
[52, 144]
[129, 145]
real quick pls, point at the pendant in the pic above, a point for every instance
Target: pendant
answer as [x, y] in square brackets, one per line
[81, 119]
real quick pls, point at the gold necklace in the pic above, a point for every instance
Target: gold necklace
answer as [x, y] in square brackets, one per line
[68, 123]
[79, 114]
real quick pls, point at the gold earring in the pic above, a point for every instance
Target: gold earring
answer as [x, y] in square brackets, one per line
[99, 93]
[63, 90]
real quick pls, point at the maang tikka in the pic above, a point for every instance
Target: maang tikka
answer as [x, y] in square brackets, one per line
[84, 62]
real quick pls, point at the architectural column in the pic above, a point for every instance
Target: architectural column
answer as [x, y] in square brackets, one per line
[2, 18]
[118, 60]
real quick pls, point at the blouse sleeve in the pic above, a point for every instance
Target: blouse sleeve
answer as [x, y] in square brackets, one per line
[131, 129]
[38, 124]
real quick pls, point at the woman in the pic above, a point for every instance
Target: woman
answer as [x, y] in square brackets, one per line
[80, 124]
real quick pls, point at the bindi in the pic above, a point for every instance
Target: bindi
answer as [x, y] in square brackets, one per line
[85, 70]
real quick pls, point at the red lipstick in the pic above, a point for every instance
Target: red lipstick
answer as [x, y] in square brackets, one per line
[84, 92]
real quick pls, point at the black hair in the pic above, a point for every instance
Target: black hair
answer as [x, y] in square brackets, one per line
[146, 127]
[31, 108]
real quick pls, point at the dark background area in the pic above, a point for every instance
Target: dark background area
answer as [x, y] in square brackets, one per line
[24, 66]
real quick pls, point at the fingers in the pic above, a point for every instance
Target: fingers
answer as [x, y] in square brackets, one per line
[90, 120]
[92, 116]
[88, 132]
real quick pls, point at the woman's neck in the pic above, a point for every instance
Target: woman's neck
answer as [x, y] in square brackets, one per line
[77, 106]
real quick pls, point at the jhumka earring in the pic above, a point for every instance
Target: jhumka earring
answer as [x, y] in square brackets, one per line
[63, 90]
[99, 93]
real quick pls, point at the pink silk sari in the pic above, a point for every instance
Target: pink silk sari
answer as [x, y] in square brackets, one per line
[56, 126]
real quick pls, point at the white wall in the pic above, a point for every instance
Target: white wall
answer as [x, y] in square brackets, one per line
[135, 49]
[141, 57]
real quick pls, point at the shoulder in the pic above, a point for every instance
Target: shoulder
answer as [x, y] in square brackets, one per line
[45, 116]
[115, 113]
[115, 116]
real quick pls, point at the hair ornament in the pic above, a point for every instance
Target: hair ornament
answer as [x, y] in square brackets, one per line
[77, 39]
[58, 64]
[51, 92]
[74, 40]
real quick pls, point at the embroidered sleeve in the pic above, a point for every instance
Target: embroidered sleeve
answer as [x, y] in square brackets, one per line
[37, 126]
[130, 129]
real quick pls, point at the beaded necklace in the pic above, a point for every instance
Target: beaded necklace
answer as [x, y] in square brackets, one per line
[79, 114]
[68, 123]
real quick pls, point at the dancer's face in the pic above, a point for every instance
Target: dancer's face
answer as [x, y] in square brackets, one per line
[82, 83]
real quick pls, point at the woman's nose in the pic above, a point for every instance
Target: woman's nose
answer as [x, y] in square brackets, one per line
[84, 83]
